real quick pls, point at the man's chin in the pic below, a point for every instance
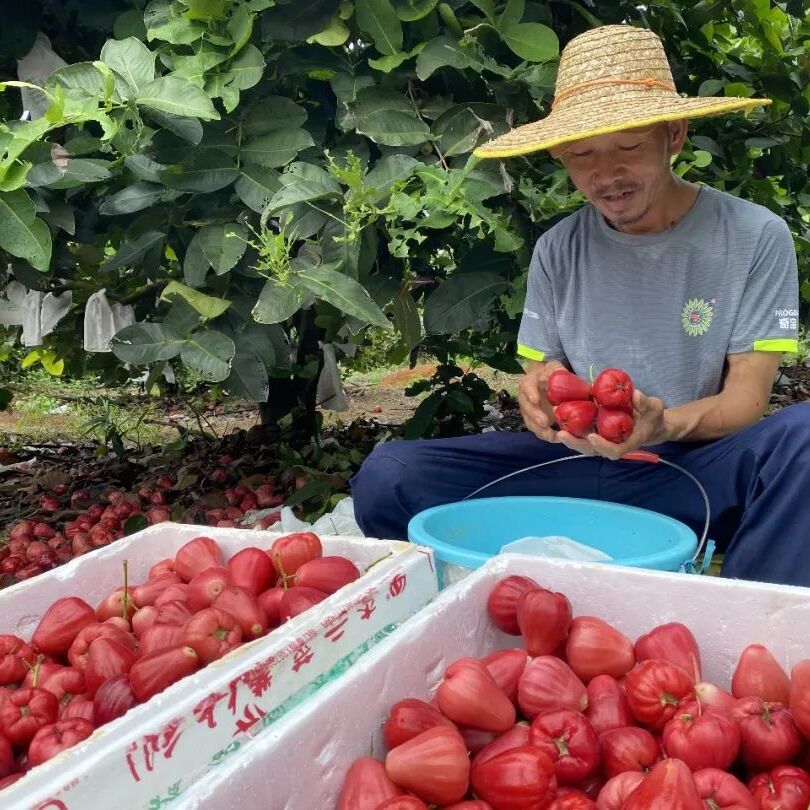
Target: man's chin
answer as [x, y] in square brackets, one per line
[624, 218]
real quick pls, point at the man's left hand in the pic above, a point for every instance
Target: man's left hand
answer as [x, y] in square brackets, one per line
[650, 428]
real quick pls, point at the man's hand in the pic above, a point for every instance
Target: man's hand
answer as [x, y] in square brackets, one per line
[651, 427]
[538, 414]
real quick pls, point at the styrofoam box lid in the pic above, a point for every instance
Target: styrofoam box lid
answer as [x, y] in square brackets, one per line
[344, 720]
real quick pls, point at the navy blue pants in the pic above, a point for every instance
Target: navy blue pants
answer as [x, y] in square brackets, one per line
[758, 482]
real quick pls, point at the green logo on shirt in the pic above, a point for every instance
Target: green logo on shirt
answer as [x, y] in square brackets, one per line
[696, 317]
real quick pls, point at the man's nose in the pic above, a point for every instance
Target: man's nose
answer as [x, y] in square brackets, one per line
[607, 168]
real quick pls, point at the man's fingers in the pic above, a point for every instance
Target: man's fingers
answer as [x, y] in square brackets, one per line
[576, 444]
[608, 449]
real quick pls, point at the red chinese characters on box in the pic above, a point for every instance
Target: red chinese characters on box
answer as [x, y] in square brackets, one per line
[142, 756]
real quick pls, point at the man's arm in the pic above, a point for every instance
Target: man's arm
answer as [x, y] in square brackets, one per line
[740, 404]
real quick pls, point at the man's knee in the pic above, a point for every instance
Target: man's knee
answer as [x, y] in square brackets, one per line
[793, 421]
[380, 487]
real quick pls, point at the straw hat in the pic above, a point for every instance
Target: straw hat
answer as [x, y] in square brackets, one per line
[610, 78]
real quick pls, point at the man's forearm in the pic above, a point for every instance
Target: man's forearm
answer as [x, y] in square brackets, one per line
[713, 417]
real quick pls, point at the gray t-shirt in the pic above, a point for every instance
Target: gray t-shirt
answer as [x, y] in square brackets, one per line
[666, 307]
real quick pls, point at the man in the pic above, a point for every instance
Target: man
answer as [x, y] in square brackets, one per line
[690, 290]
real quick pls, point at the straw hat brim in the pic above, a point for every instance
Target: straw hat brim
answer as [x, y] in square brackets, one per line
[576, 122]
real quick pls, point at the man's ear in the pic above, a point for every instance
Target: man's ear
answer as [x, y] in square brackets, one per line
[677, 132]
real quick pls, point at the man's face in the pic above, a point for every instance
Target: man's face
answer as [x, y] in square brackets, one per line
[624, 174]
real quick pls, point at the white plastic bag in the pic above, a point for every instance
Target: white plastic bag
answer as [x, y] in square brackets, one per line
[555, 546]
[11, 307]
[32, 319]
[102, 320]
[330, 394]
[123, 315]
[340, 521]
[35, 67]
[54, 308]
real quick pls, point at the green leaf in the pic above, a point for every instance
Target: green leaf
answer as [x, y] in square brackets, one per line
[277, 302]
[21, 233]
[133, 251]
[347, 86]
[413, 10]
[240, 27]
[82, 86]
[223, 245]
[344, 293]
[389, 170]
[702, 159]
[162, 22]
[386, 64]
[532, 41]
[144, 168]
[338, 250]
[133, 198]
[379, 19]
[256, 186]
[708, 144]
[711, 87]
[176, 96]
[394, 128]
[303, 182]
[205, 10]
[460, 128]
[248, 376]
[202, 172]
[294, 22]
[336, 33]
[406, 319]
[488, 7]
[420, 425]
[739, 90]
[312, 489]
[302, 220]
[182, 318]
[438, 53]
[145, 343]
[458, 400]
[269, 342]
[247, 68]
[511, 15]
[131, 60]
[208, 306]
[196, 66]
[189, 129]
[275, 112]
[195, 263]
[276, 148]
[209, 353]
[135, 523]
[374, 99]
[461, 301]
[69, 173]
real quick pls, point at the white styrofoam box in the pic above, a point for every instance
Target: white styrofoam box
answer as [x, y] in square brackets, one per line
[343, 722]
[155, 751]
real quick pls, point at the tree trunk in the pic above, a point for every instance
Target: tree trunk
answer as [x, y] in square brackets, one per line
[298, 394]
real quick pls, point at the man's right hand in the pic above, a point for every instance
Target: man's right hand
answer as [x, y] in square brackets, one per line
[538, 414]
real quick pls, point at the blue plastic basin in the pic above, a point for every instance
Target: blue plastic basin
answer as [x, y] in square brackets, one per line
[468, 533]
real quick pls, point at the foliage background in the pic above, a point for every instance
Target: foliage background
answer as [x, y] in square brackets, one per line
[262, 177]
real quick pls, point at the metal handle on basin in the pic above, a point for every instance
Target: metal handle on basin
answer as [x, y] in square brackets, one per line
[644, 456]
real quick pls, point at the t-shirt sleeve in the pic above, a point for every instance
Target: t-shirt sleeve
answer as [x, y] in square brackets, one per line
[768, 318]
[538, 336]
